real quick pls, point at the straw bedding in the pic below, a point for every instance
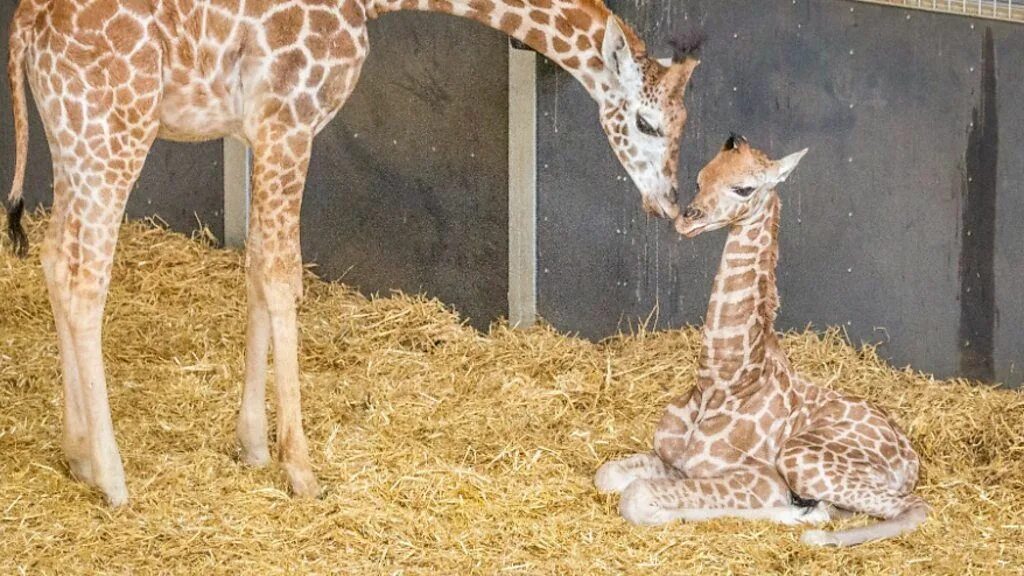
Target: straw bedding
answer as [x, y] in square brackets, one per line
[442, 450]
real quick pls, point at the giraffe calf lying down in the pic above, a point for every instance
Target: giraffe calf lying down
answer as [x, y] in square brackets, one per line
[753, 439]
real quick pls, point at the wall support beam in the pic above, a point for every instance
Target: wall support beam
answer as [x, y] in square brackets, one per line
[522, 187]
[237, 181]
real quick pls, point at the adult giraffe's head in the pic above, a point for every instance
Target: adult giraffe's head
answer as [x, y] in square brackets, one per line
[641, 98]
[643, 113]
[735, 187]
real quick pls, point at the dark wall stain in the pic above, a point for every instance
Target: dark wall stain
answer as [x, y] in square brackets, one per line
[977, 252]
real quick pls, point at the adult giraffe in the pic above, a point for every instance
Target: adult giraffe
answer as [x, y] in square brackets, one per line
[109, 77]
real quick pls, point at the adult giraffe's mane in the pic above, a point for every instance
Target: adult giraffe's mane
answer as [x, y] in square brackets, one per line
[578, 13]
[598, 10]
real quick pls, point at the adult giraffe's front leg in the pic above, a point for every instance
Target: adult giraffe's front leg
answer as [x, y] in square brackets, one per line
[281, 155]
[252, 416]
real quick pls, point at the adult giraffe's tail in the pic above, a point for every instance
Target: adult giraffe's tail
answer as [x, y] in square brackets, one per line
[21, 30]
[913, 514]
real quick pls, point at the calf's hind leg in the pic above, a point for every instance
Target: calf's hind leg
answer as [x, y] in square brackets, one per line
[751, 493]
[851, 479]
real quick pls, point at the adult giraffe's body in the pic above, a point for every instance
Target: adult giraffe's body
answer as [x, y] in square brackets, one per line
[754, 439]
[109, 77]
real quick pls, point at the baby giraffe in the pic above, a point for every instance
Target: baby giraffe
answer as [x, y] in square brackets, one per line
[753, 439]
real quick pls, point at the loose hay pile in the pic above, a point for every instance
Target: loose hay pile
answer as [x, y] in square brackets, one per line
[442, 450]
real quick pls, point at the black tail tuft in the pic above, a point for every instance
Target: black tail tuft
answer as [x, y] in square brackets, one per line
[799, 502]
[19, 240]
[687, 45]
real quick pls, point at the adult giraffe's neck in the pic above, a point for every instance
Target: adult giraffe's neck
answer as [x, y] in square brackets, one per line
[568, 32]
[740, 322]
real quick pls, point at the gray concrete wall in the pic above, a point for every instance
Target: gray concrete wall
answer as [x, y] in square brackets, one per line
[408, 186]
[916, 140]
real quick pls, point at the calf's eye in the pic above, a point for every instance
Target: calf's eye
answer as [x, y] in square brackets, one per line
[744, 192]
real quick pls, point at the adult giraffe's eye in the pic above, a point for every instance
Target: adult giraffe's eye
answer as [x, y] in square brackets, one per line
[744, 192]
[644, 126]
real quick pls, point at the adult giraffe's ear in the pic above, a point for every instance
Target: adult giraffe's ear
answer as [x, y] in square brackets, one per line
[685, 58]
[618, 56]
[781, 169]
[685, 68]
[678, 76]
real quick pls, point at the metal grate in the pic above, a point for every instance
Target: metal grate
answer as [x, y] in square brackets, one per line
[1012, 10]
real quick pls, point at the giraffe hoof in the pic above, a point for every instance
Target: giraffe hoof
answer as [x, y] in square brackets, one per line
[819, 538]
[611, 478]
[81, 470]
[116, 495]
[303, 483]
[257, 458]
[639, 505]
[76, 453]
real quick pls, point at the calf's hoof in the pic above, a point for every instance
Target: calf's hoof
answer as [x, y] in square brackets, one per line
[611, 478]
[819, 538]
[639, 505]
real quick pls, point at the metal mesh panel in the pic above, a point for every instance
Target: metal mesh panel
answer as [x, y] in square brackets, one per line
[996, 9]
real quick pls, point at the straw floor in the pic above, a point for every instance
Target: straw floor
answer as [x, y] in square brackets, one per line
[442, 450]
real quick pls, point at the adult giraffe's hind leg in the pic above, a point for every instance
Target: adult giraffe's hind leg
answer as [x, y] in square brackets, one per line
[100, 118]
[78, 256]
[280, 160]
[75, 442]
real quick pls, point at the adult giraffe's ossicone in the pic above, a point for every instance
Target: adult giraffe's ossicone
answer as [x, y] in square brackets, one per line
[109, 77]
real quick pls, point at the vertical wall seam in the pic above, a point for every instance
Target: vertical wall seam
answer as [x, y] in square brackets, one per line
[237, 171]
[522, 187]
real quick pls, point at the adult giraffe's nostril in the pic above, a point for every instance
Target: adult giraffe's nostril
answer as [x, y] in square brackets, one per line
[692, 213]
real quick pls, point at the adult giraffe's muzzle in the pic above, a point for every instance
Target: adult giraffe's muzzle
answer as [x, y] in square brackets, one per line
[691, 222]
[662, 206]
